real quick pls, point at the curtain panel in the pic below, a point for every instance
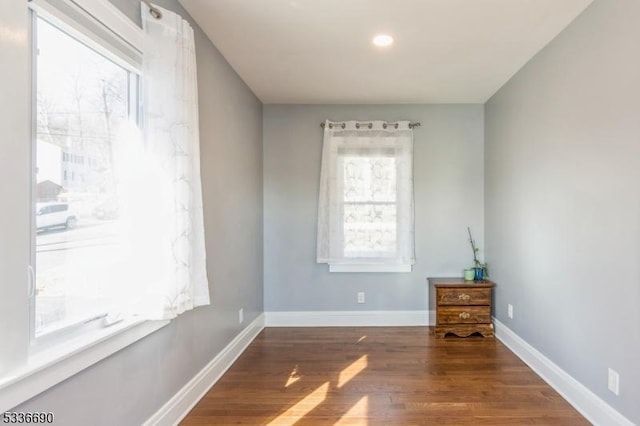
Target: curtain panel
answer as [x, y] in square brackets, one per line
[365, 210]
[171, 245]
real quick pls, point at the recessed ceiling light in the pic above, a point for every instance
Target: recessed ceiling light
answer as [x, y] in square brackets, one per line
[383, 40]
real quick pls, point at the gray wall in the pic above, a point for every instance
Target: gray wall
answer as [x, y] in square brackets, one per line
[448, 173]
[128, 387]
[563, 204]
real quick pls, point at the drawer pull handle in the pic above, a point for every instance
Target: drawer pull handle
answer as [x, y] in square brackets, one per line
[464, 297]
[465, 315]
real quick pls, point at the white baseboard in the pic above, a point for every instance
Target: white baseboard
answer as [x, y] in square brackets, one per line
[182, 402]
[596, 410]
[346, 318]
[432, 317]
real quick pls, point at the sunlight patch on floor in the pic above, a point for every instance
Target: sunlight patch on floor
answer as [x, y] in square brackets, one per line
[302, 407]
[359, 412]
[352, 370]
[293, 377]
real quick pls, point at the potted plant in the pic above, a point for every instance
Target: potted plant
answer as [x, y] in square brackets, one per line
[480, 271]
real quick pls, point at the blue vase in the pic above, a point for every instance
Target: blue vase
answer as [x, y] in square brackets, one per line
[479, 275]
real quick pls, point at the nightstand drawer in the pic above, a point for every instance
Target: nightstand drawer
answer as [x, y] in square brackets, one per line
[464, 315]
[463, 296]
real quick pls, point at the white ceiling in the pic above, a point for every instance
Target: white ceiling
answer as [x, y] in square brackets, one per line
[320, 51]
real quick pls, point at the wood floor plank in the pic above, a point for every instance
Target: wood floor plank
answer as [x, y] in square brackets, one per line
[379, 376]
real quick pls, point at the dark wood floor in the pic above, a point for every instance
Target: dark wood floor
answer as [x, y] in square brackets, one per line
[379, 375]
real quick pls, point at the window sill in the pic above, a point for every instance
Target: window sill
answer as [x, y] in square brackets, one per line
[52, 366]
[341, 267]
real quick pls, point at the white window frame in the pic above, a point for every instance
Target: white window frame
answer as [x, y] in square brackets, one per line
[361, 267]
[40, 370]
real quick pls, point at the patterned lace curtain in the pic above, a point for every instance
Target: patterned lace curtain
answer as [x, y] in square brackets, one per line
[169, 232]
[365, 210]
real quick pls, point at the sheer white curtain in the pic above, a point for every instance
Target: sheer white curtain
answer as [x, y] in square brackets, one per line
[166, 227]
[365, 210]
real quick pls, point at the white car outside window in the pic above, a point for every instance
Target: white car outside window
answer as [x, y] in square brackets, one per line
[49, 215]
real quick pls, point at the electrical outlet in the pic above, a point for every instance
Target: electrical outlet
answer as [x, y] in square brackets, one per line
[361, 297]
[614, 382]
[510, 310]
[240, 315]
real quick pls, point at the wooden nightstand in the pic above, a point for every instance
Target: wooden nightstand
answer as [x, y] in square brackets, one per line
[462, 307]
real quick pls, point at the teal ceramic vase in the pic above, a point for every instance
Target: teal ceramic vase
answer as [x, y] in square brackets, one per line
[479, 274]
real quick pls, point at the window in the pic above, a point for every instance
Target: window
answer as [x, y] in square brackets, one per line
[87, 56]
[365, 220]
[31, 362]
[83, 97]
[86, 59]
[367, 183]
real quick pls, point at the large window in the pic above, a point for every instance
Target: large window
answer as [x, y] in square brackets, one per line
[116, 235]
[365, 220]
[83, 102]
